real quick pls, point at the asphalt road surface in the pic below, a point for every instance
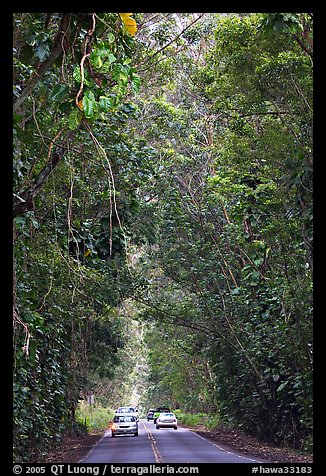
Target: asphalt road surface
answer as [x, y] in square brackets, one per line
[165, 445]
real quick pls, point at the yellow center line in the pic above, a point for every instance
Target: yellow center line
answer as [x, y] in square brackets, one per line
[158, 457]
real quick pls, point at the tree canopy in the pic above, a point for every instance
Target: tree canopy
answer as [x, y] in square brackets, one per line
[163, 202]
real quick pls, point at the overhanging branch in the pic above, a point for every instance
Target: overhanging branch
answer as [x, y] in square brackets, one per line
[47, 63]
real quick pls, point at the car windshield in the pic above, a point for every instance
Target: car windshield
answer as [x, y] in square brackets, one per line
[167, 415]
[126, 410]
[122, 419]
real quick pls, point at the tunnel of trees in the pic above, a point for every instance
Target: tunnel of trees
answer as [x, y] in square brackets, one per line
[162, 189]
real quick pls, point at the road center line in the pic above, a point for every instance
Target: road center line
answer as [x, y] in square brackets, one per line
[158, 457]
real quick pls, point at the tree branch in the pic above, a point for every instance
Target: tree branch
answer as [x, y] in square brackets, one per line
[304, 47]
[47, 63]
[172, 41]
[24, 202]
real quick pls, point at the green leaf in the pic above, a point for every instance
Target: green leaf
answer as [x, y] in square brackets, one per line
[104, 103]
[20, 220]
[58, 92]
[96, 60]
[74, 119]
[89, 104]
[16, 118]
[135, 84]
[111, 58]
[102, 58]
[120, 72]
[77, 75]
[235, 291]
[31, 39]
[111, 37]
[280, 387]
[42, 51]
[255, 278]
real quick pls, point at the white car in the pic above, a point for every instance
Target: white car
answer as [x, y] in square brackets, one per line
[124, 425]
[166, 420]
[127, 410]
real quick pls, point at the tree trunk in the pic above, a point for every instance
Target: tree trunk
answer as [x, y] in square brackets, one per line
[47, 63]
[25, 202]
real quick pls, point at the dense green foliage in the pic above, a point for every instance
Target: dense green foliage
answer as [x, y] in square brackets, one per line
[163, 219]
[235, 230]
[72, 202]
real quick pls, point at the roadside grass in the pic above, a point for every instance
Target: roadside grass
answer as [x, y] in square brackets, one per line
[97, 417]
[93, 417]
[197, 419]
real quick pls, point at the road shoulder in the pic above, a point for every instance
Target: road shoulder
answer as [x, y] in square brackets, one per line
[74, 447]
[236, 441]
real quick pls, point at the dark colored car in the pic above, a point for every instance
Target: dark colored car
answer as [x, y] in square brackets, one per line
[159, 410]
[124, 425]
[150, 414]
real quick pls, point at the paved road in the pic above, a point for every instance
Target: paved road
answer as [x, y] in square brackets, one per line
[161, 446]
